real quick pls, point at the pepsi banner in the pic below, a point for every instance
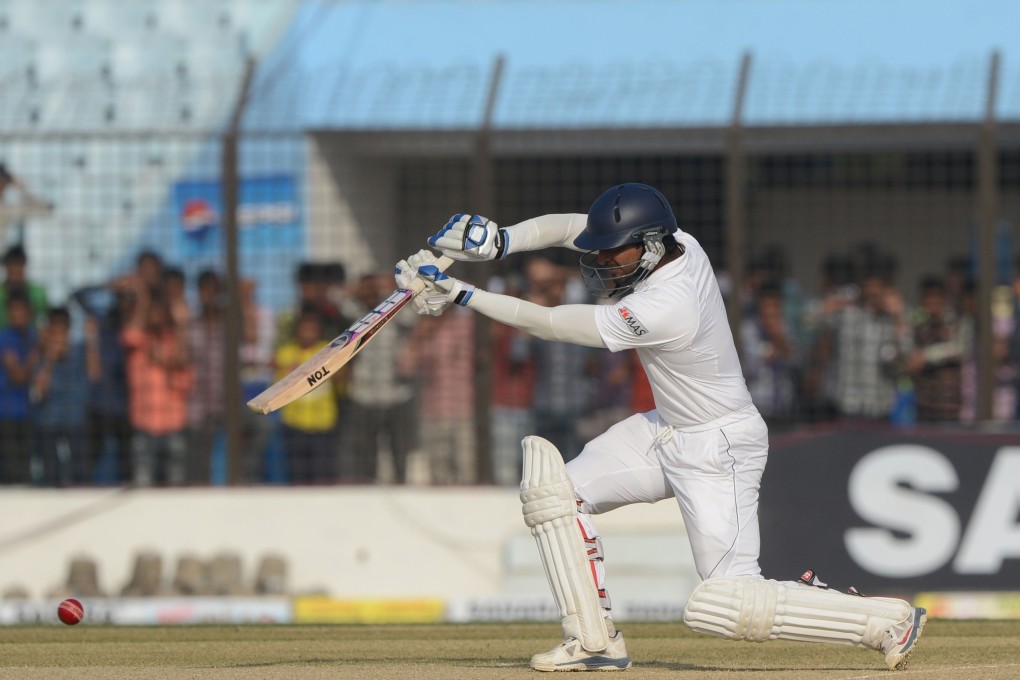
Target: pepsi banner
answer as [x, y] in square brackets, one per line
[894, 511]
[271, 238]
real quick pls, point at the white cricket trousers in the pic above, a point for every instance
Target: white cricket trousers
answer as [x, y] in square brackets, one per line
[713, 471]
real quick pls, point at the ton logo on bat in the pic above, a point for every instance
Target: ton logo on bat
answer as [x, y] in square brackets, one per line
[317, 375]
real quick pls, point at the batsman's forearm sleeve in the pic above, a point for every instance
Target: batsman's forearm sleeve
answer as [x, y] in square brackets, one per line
[567, 323]
[546, 231]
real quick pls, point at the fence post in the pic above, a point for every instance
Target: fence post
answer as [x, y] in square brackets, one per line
[987, 209]
[232, 323]
[483, 201]
[736, 199]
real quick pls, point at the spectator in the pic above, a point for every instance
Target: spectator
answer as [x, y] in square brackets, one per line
[13, 215]
[206, 405]
[310, 423]
[107, 426]
[380, 399]
[756, 275]
[1013, 350]
[15, 269]
[59, 391]
[612, 393]
[513, 393]
[1003, 372]
[818, 376]
[444, 365]
[777, 275]
[872, 340]
[968, 329]
[160, 380]
[770, 358]
[173, 284]
[149, 268]
[18, 358]
[935, 365]
[259, 335]
[958, 277]
[558, 404]
[314, 292]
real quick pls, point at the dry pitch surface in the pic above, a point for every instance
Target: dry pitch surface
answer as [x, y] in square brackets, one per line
[953, 650]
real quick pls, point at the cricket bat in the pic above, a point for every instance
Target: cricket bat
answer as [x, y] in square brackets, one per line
[336, 354]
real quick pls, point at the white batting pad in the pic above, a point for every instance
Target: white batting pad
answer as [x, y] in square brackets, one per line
[745, 608]
[550, 509]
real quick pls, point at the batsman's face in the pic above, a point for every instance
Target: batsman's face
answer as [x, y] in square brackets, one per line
[620, 261]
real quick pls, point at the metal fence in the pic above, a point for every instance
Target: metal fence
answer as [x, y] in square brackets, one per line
[264, 234]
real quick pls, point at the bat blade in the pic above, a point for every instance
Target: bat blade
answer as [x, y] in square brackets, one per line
[334, 356]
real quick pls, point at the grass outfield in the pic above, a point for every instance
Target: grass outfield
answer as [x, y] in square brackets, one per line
[949, 649]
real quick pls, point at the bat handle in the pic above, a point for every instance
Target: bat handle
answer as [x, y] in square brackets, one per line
[442, 263]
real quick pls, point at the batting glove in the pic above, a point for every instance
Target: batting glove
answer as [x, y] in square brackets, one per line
[471, 237]
[439, 291]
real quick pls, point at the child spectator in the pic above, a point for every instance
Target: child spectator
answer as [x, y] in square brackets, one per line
[107, 426]
[310, 423]
[160, 380]
[769, 357]
[59, 392]
[206, 405]
[149, 268]
[314, 281]
[174, 285]
[18, 357]
[15, 276]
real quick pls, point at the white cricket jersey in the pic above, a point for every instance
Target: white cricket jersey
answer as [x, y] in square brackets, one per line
[676, 320]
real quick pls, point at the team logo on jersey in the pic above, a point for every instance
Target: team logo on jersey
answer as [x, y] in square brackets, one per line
[631, 321]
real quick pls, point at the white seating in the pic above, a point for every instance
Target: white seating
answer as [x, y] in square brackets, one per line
[52, 19]
[199, 22]
[118, 19]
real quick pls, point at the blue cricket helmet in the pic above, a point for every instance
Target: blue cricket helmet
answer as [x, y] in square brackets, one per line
[626, 214]
[623, 215]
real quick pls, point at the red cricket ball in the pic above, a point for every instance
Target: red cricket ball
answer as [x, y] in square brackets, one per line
[70, 611]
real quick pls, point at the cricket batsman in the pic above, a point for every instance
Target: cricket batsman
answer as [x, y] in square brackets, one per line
[705, 444]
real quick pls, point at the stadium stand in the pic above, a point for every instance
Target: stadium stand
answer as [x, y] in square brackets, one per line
[99, 72]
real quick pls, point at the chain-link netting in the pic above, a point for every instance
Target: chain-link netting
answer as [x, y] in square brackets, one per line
[122, 312]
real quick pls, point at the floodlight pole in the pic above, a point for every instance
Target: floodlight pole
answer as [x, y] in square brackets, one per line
[483, 199]
[232, 322]
[987, 211]
[736, 200]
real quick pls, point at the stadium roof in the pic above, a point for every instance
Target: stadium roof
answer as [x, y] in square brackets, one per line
[427, 64]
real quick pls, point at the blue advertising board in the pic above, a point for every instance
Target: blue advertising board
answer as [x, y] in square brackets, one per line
[271, 237]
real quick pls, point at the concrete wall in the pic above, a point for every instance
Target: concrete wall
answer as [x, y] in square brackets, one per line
[343, 541]
[351, 209]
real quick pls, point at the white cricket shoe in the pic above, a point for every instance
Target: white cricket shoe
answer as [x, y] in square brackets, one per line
[570, 656]
[900, 640]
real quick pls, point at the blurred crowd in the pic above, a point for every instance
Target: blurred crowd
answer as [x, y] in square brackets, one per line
[857, 350]
[123, 382]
